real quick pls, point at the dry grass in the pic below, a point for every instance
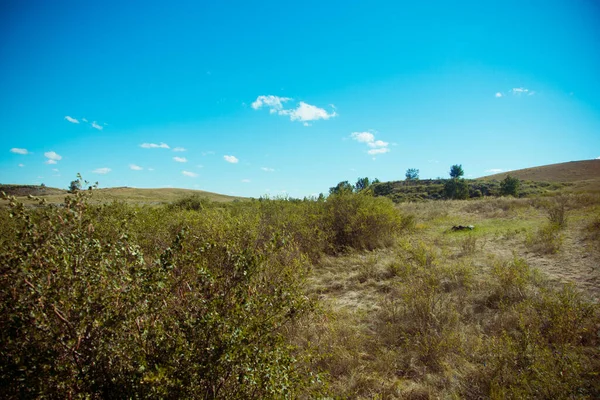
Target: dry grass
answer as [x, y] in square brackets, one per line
[465, 314]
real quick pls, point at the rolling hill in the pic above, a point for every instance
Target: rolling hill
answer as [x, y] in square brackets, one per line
[126, 194]
[584, 175]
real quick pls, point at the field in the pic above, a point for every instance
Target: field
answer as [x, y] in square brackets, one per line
[351, 296]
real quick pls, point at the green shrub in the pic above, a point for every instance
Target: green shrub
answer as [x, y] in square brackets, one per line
[456, 189]
[88, 315]
[510, 186]
[361, 221]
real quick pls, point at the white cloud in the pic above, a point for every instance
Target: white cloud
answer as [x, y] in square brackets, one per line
[150, 169]
[96, 126]
[55, 169]
[71, 120]
[363, 137]
[190, 174]
[180, 159]
[597, 158]
[275, 103]
[303, 112]
[377, 146]
[266, 169]
[231, 159]
[51, 162]
[518, 91]
[498, 94]
[135, 167]
[381, 150]
[307, 112]
[179, 149]
[208, 153]
[494, 170]
[154, 146]
[84, 119]
[377, 143]
[52, 156]
[101, 171]
[16, 150]
[21, 165]
[246, 180]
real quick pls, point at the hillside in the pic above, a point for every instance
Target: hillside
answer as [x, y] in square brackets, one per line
[126, 194]
[584, 174]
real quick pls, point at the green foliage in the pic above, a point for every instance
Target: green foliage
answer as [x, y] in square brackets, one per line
[557, 211]
[456, 189]
[456, 171]
[361, 221]
[75, 186]
[361, 184]
[510, 186]
[412, 174]
[89, 314]
[342, 187]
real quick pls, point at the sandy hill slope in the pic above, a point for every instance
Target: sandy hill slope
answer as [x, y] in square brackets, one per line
[126, 194]
[584, 175]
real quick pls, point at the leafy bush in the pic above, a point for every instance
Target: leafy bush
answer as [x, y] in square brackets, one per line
[510, 186]
[456, 189]
[361, 221]
[89, 315]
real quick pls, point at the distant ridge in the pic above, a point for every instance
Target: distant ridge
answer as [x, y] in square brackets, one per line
[126, 194]
[584, 174]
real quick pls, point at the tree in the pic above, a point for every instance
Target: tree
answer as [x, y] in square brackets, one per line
[456, 171]
[75, 186]
[341, 188]
[456, 189]
[510, 186]
[412, 174]
[361, 184]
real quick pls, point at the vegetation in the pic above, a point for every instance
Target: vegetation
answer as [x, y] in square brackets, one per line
[510, 186]
[412, 174]
[456, 171]
[349, 296]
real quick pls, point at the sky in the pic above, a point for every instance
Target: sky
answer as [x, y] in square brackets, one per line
[276, 98]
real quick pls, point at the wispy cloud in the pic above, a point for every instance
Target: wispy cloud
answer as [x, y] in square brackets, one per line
[521, 90]
[190, 174]
[17, 150]
[154, 146]
[246, 180]
[208, 153]
[376, 146]
[179, 149]
[21, 165]
[52, 157]
[96, 126]
[274, 103]
[266, 169]
[307, 112]
[381, 150]
[135, 167]
[231, 159]
[498, 94]
[180, 159]
[303, 112]
[102, 171]
[84, 119]
[494, 170]
[71, 120]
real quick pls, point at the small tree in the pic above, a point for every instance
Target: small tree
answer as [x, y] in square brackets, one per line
[75, 186]
[340, 188]
[510, 186]
[361, 184]
[412, 174]
[456, 171]
[456, 189]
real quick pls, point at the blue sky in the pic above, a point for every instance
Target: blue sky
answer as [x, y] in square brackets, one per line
[272, 98]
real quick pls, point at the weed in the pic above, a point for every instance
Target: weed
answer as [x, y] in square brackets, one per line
[546, 240]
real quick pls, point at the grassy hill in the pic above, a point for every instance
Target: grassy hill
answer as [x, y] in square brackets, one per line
[126, 194]
[584, 175]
